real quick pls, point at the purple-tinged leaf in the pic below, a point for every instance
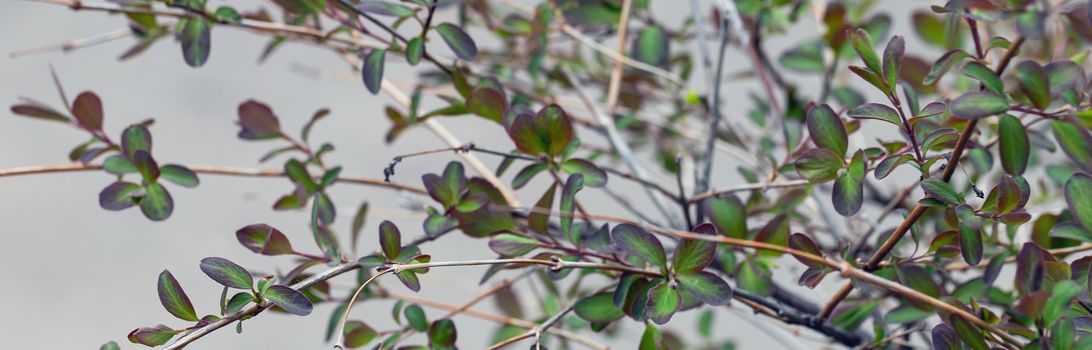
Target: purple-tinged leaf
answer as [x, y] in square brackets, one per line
[892, 58]
[358, 334]
[875, 111]
[707, 287]
[549, 131]
[39, 111]
[1033, 82]
[527, 173]
[88, 111]
[511, 245]
[1029, 268]
[135, 138]
[1075, 140]
[288, 299]
[174, 299]
[390, 239]
[384, 8]
[573, 184]
[637, 242]
[264, 239]
[889, 164]
[776, 232]
[971, 334]
[460, 43]
[118, 195]
[915, 277]
[156, 204]
[152, 336]
[323, 209]
[819, 165]
[538, 220]
[802, 242]
[372, 70]
[409, 279]
[227, 273]
[970, 235]
[848, 192]
[862, 43]
[939, 189]
[827, 130]
[258, 122]
[118, 165]
[694, 255]
[945, 338]
[1013, 146]
[488, 103]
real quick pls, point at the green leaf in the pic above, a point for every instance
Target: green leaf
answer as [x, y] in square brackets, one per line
[196, 40]
[264, 239]
[415, 48]
[135, 138]
[985, 75]
[527, 173]
[1013, 146]
[384, 8]
[174, 299]
[539, 218]
[358, 334]
[488, 103]
[651, 339]
[872, 78]
[593, 175]
[152, 336]
[876, 111]
[652, 46]
[289, 299]
[707, 287]
[442, 334]
[806, 58]
[978, 104]
[118, 195]
[178, 174]
[390, 239]
[892, 58]
[971, 335]
[416, 317]
[1058, 305]
[728, 214]
[889, 164]
[862, 43]
[372, 70]
[410, 280]
[941, 190]
[1078, 195]
[227, 273]
[848, 192]
[917, 278]
[511, 245]
[156, 204]
[598, 308]
[322, 209]
[827, 130]
[970, 235]
[1072, 231]
[635, 241]
[238, 301]
[662, 303]
[573, 184]
[819, 165]
[694, 255]
[943, 64]
[1033, 82]
[110, 346]
[1075, 141]
[754, 278]
[458, 41]
[852, 316]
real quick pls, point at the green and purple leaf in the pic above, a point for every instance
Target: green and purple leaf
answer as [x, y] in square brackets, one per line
[707, 287]
[728, 214]
[227, 273]
[174, 299]
[372, 70]
[662, 302]
[1078, 195]
[264, 239]
[460, 43]
[637, 242]
[390, 239]
[827, 130]
[978, 104]
[257, 121]
[288, 299]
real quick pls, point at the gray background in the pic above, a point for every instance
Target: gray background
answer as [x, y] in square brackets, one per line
[79, 276]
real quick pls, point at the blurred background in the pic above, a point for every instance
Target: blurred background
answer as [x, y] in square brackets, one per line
[78, 276]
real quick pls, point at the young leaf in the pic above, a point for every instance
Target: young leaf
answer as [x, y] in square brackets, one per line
[458, 41]
[827, 130]
[707, 287]
[637, 242]
[289, 299]
[390, 239]
[257, 121]
[227, 273]
[862, 43]
[264, 239]
[978, 104]
[174, 299]
[196, 40]
[88, 111]
[662, 303]
[892, 59]
[372, 70]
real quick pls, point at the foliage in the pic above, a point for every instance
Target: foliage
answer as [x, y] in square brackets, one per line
[927, 129]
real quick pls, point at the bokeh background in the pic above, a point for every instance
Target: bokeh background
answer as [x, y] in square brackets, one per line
[78, 276]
